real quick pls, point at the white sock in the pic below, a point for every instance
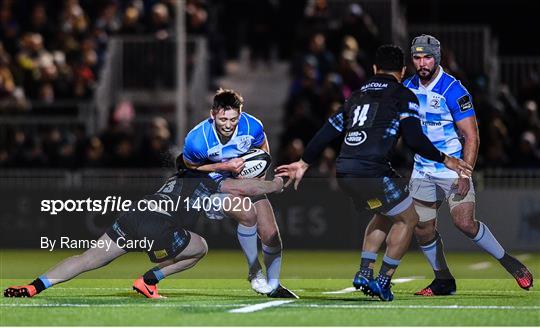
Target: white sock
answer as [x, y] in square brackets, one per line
[485, 239]
[435, 254]
[272, 261]
[247, 236]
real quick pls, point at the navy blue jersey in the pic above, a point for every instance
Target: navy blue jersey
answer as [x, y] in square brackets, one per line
[370, 122]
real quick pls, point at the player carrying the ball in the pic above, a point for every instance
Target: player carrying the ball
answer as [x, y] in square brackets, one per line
[215, 145]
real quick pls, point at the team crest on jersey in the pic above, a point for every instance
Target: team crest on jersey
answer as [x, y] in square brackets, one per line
[435, 102]
[244, 144]
[355, 138]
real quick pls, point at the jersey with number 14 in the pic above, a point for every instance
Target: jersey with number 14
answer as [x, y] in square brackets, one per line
[370, 120]
[443, 103]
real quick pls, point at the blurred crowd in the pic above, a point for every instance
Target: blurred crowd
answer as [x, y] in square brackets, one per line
[52, 51]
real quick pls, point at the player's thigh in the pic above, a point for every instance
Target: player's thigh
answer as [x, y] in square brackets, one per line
[238, 208]
[463, 212]
[197, 248]
[461, 204]
[107, 250]
[407, 216]
[266, 220]
[426, 199]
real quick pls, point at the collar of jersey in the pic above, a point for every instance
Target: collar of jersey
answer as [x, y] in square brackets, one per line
[434, 82]
[217, 136]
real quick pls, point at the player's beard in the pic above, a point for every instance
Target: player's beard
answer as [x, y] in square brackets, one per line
[428, 76]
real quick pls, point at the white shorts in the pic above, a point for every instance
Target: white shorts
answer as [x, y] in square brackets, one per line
[436, 187]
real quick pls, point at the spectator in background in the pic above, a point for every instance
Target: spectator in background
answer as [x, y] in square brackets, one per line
[359, 24]
[9, 28]
[108, 19]
[156, 145]
[131, 21]
[7, 83]
[260, 31]
[93, 153]
[527, 154]
[39, 23]
[352, 73]
[160, 21]
[196, 17]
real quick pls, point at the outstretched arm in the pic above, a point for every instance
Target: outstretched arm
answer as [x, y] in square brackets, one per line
[251, 187]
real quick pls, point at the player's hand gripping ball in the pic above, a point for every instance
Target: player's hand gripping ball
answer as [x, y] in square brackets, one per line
[257, 161]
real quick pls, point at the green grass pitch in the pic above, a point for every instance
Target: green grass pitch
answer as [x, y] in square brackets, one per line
[204, 295]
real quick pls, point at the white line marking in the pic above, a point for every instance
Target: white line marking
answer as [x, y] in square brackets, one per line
[451, 307]
[150, 304]
[480, 266]
[342, 291]
[352, 289]
[260, 306]
[407, 279]
[256, 307]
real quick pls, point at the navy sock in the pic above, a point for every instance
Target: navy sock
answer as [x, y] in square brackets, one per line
[41, 283]
[367, 262]
[153, 276]
[388, 268]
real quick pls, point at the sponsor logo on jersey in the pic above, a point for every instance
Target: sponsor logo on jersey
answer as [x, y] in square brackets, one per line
[374, 203]
[413, 106]
[374, 86]
[160, 254]
[465, 103]
[355, 138]
[426, 123]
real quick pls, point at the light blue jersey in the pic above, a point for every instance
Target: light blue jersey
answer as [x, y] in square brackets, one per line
[202, 144]
[443, 102]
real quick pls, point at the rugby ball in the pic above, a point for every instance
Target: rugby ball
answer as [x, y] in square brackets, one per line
[257, 161]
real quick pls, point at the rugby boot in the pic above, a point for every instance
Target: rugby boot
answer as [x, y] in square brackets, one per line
[20, 291]
[361, 282]
[150, 291]
[258, 282]
[385, 294]
[282, 292]
[439, 287]
[518, 270]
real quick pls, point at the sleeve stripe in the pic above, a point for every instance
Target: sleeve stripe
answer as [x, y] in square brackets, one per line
[455, 80]
[205, 139]
[409, 82]
[247, 121]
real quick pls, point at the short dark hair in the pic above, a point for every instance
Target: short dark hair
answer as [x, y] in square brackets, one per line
[227, 99]
[390, 58]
